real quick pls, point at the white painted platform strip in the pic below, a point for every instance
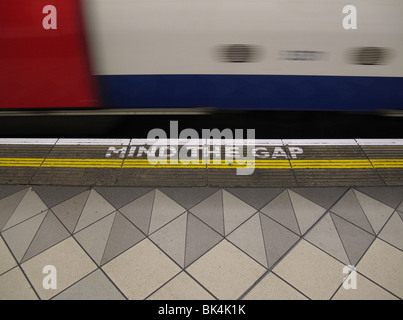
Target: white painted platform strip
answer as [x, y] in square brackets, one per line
[93, 142]
[380, 142]
[320, 142]
[35, 141]
[139, 142]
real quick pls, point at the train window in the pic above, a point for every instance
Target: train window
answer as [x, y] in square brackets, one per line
[369, 55]
[239, 53]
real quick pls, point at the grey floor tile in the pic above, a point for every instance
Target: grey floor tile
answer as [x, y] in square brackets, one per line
[95, 286]
[139, 211]
[199, 239]
[281, 210]
[172, 239]
[123, 236]
[49, 233]
[164, 210]
[70, 210]
[141, 270]
[383, 263]
[349, 208]
[390, 196]
[53, 195]
[256, 197]
[226, 271]
[95, 208]
[181, 287]
[326, 197]
[393, 231]
[306, 211]
[29, 206]
[20, 236]
[355, 240]
[8, 190]
[271, 287]
[8, 205]
[7, 261]
[121, 196]
[235, 212]
[211, 212]
[366, 290]
[249, 238]
[188, 197]
[70, 261]
[14, 286]
[278, 239]
[400, 208]
[94, 238]
[324, 235]
[400, 214]
[376, 212]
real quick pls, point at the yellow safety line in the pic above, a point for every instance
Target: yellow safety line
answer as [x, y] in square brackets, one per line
[202, 164]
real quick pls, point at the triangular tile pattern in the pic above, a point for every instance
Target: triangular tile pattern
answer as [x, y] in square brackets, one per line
[393, 231]
[96, 207]
[107, 238]
[376, 212]
[188, 197]
[325, 236]
[8, 190]
[211, 212]
[340, 238]
[70, 210]
[391, 196]
[139, 211]
[249, 238]
[8, 206]
[263, 239]
[355, 240]
[235, 212]
[172, 239]
[29, 206]
[325, 197]
[281, 210]
[49, 233]
[54, 195]
[306, 211]
[95, 237]
[164, 211]
[256, 197]
[123, 236]
[400, 209]
[294, 211]
[121, 196]
[223, 212]
[278, 239]
[20, 236]
[200, 238]
[186, 239]
[350, 209]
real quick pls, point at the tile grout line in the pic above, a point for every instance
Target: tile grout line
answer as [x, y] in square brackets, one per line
[297, 242]
[18, 265]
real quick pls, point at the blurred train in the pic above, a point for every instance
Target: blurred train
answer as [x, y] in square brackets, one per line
[222, 54]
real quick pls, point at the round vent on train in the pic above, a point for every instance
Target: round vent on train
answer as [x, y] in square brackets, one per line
[369, 55]
[239, 53]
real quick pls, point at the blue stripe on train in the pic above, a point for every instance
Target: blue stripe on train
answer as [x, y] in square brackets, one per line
[275, 92]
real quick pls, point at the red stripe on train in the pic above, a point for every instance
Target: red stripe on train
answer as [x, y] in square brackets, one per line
[42, 68]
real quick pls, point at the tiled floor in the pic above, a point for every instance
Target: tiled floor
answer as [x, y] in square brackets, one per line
[200, 243]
